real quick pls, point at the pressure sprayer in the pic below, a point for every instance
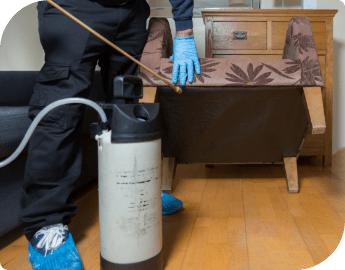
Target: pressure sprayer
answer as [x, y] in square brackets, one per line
[129, 169]
[129, 160]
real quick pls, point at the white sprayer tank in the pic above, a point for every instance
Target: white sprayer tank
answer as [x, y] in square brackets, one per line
[130, 204]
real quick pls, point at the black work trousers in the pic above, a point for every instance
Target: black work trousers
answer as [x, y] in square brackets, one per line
[71, 55]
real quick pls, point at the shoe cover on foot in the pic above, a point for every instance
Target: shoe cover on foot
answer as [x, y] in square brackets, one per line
[170, 204]
[52, 248]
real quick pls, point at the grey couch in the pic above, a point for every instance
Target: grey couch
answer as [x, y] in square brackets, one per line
[16, 88]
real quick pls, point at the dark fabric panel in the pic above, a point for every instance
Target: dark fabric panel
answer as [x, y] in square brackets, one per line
[16, 90]
[232, 124]
[11, 177]
[16, 87]
[14, 122]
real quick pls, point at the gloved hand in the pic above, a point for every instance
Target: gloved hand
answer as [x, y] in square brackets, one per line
[185, 58]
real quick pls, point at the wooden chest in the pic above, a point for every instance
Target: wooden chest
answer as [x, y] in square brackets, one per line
[265, 38]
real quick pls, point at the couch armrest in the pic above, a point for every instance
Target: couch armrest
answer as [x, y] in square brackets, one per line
[300, 48]
[159, 45]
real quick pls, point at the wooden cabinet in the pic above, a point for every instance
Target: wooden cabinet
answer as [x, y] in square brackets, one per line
[265, 38]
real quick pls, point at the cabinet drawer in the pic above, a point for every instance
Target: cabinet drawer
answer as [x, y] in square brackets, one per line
[279, 30]
[223, 36]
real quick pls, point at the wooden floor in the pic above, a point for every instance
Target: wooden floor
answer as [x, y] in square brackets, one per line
[234, 217]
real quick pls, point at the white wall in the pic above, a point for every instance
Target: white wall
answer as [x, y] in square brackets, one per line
[276, 4]
[21, 50]
[338, 71]
[20, 47]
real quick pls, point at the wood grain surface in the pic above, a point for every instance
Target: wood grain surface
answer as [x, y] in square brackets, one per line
[234, 217]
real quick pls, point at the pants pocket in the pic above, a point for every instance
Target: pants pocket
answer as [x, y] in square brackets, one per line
[53, 83]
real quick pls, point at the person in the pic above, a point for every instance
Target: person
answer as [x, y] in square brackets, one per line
[54, 153]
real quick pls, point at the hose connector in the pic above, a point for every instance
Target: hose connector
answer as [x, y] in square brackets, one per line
[105, 125]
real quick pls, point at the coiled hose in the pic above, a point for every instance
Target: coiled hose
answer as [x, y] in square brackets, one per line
[42, 114]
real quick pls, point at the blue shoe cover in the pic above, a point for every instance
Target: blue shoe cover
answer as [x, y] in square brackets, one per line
[170, 204]
[63, 257]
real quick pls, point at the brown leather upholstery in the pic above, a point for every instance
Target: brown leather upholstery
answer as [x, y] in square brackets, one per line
[232, 124]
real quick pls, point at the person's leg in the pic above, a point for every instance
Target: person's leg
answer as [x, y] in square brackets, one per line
[131, 36]
[54, 158]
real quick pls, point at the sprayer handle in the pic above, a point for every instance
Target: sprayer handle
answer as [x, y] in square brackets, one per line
[119, 83]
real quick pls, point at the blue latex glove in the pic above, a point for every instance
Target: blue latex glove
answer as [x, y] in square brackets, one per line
[185, 58]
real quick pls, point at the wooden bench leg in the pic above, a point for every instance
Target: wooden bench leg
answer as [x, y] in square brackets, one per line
[168, 174]
[290, 164]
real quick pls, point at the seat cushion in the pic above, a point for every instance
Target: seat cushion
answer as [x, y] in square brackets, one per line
[243, 72]
[14, 122]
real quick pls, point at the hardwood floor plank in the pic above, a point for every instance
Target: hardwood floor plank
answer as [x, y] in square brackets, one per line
[19, 259]
[10, 253]
[208, 199]
[331, 240]
[314, 216]
[216, 256]
[177, 228]
[329, 185]
[219, 239]
[315, 210]
[196, 251]
[238, 258]
[222, 196]
[192, 183]
[218, 231]
[274, 241]
[342, 215]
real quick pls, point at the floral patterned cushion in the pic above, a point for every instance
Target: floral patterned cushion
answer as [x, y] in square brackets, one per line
[237, 72]
[300, 47]
[299, 66]
[159, 45]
